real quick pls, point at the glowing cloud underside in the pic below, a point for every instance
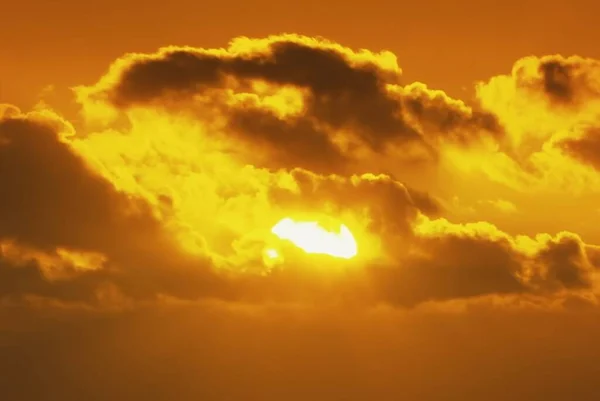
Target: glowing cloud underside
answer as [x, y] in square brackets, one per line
[314, 239]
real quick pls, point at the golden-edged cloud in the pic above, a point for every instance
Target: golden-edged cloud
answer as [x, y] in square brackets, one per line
[549, 107]
[299, 99]
[200, 152]
[52, 198]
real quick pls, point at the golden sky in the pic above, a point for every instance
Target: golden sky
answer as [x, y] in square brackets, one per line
[319, 201]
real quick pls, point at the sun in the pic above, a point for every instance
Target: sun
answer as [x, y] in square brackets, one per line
[313, 238]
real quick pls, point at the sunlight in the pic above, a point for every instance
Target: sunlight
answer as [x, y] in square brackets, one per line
[312, 238]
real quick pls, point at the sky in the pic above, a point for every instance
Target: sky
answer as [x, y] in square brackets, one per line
[325, 201]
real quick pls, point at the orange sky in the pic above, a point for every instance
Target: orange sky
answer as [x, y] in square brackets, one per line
[448, 45]
[159, 163]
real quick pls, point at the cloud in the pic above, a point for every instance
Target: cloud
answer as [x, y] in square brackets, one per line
[543, 105]
[453, 261]
[26, 276]
[400, 262]
[456, 122]
[552, 93]
[566, 81]
[176, 197]
[345, 103]
[52, 198]
[585, 148]
[386, 201]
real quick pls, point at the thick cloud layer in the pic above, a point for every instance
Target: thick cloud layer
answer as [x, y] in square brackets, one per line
[342, 99]
[140, 263]
[220, 144]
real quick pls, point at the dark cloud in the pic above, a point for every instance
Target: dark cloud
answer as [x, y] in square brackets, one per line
[565, 263]
[291, 141]
[131, 278]
[455, 266]
[341, 95]
[391, 205]
[585, 148]
[444, 118]
[457, 262]
[26, 277]
[451, 267]
[51, 198]
[557, 80]
[342, 92]
[593, 254]
[567, 81]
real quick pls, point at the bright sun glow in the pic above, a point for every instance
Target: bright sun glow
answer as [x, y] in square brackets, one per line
[311, 237]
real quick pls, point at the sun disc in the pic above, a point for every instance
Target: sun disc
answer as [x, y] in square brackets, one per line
[313, 238]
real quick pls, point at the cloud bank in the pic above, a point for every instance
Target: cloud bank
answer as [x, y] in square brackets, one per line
[191, 155]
